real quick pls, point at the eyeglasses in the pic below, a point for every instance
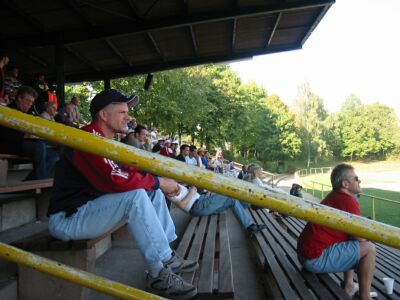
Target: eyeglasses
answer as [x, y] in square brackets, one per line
[355, 178]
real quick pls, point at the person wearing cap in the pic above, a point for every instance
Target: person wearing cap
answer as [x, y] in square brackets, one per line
[204, 161]
[166, 149]
[324, 250]
[138, 138]
[92, 194]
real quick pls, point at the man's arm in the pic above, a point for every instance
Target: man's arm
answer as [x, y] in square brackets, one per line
[182, 204]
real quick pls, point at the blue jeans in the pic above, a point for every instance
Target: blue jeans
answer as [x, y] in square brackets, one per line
[214, 203]
[44, 158]
[147, 214]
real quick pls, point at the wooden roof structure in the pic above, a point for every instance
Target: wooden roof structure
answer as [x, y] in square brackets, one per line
[103, 39]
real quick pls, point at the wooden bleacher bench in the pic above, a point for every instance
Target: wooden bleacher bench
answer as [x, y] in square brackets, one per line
[283, 276]
[387, 260]
[5, 159]
[81, 254]
[206, 240]
[36, 185]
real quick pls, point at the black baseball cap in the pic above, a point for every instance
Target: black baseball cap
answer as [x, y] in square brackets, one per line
[110, 96]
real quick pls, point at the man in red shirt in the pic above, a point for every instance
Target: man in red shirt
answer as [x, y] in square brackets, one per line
[324, 250]
[92, 194]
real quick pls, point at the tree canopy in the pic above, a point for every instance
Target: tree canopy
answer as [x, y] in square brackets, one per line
[209, 105]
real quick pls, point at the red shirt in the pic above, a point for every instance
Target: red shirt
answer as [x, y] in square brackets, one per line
[108, 176]
[316, 238]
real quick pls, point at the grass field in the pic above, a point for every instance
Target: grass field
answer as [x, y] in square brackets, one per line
[372, 179]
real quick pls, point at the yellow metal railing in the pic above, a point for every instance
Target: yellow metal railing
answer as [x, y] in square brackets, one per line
[322, 188]
[80, 277]
[238, 189]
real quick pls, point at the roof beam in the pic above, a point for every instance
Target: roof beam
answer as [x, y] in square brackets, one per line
[271, 36]
[74, 5]
[154, 43]
[33, 57]
[195, 48]
[161, 66]
[100, 32]
[116, 51]
[27, 18]
[133, 7]
[234, 23]
[81, 58]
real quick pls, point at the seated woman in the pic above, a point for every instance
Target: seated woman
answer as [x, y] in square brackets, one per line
[208, 204]
[254, 175]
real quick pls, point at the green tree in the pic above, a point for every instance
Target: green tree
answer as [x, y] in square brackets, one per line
[311, 113]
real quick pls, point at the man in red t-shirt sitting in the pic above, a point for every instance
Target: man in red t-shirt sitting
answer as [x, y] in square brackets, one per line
[324, 250]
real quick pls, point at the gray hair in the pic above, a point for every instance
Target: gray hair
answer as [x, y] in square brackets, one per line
[339, 174]
[251, 171]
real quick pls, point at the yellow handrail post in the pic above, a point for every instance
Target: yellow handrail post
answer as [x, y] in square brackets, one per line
[233, 187]
[322, 191]
[313, 189]
[373, 208]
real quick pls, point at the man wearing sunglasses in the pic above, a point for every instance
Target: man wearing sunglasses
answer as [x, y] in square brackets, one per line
[324, 250]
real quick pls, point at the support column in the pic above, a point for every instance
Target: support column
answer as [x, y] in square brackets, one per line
[107, 84]
[60, 72]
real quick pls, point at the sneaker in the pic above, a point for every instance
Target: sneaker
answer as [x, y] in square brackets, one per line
[180, 265]
[169, 285]
[254, 228]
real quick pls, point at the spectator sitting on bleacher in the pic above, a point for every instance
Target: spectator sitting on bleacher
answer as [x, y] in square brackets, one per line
[17, 142]
[75, 114]
[208, 204]
[138, 138]
[254, 175]
[166, 149]
[174, 149]
[11, 83]
[324, 250]
[41, 87]
[3, 96]
[50, 111]
[296, 190]
[193, 158]
[92, 194]
[243, 172]
[184, 151]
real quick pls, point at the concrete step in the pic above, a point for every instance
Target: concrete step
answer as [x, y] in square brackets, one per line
[16, 210]
[8, 290]
[7, 268]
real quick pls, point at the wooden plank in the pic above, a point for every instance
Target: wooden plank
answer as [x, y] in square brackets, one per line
[287, 257]
[225, 282]
[187, 237]
[280, 277]
[27, 186]
[194, 252]
[206, 278]
[14, 157]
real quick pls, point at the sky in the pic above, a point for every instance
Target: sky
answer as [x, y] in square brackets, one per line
[354, 49]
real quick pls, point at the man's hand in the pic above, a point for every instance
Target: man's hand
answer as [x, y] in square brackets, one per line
[169, 186]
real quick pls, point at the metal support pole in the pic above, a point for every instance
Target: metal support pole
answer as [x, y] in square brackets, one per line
[233, 187]
[80, 277]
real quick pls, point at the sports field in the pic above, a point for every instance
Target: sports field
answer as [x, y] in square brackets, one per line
[377, 179]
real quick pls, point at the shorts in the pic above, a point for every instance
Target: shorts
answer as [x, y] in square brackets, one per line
[339, 257]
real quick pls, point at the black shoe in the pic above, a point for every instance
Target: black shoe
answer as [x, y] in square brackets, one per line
[254, 228]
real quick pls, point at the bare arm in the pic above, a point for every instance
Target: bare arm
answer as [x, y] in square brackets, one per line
[182, 204]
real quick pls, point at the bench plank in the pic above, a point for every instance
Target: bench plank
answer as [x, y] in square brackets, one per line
[27, 186]
[206, 278]
[206, 240]
[225, 282]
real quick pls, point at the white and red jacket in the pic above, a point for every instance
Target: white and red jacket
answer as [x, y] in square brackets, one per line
[81, 177]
